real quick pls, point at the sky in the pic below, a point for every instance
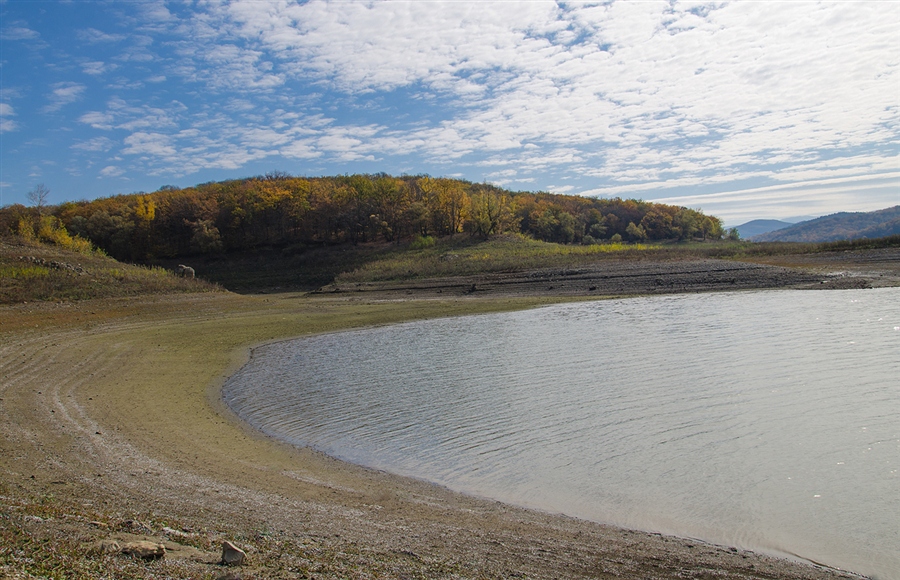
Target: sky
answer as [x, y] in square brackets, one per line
[744, 109]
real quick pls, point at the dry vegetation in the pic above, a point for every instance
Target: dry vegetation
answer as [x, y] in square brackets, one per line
[464, 256]
[30, 270]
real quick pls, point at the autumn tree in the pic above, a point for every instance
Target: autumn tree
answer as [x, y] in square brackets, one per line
[280, 210]
[448, 202]
[489, 214]
[635, 233]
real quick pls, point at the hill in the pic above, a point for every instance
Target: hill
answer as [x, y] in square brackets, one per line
[33, 271]
[294, 214]
[839, 226]
[758, 227]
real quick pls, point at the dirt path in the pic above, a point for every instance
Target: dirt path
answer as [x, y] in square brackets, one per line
[112, 427]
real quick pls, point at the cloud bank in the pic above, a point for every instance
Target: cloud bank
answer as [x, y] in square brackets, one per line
[650, 99]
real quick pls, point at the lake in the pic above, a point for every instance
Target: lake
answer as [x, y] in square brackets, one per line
[764, 420]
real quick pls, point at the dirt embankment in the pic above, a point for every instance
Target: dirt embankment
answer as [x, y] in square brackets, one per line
[112, 428]
[648, 277]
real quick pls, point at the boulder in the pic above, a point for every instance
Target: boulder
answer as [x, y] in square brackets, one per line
[232, 555]
[144, 550]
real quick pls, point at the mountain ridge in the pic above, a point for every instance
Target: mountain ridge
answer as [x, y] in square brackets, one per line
[838, 226]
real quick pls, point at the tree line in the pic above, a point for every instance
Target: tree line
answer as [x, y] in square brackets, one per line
[282, 210]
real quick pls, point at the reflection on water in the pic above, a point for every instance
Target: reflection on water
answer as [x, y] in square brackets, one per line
[765, 420]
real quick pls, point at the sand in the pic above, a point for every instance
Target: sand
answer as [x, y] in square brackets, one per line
[112, 427]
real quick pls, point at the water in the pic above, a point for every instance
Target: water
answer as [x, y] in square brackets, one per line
[763, 420]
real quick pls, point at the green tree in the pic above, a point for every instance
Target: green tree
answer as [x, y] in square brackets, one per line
[635, 233]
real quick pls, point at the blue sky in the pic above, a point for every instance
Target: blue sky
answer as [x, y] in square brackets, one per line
[744, 110]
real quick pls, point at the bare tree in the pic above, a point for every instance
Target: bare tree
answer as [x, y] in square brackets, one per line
[38, 197]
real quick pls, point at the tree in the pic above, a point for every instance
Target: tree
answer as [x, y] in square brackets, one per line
[447, 202]
[635, 233]
[38, 197]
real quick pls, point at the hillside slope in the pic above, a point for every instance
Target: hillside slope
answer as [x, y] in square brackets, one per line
[31, 271]
[839, 226]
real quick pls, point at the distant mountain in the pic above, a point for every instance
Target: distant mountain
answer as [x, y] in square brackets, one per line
[839, 226]
[757, 227]
[799, 218]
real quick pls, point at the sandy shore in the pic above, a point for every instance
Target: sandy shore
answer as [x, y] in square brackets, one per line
[112, 428]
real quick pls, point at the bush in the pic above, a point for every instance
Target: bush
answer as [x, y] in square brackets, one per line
[421, 242]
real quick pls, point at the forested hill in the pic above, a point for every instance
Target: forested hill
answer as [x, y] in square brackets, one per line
[281, 210]
[839, 226]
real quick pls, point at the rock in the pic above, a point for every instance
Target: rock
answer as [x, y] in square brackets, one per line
[144, 550]
[176, 533]
[136, 527]
[232, 555]
[107, 547]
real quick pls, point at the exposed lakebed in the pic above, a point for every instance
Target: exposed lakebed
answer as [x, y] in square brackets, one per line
[765, 420]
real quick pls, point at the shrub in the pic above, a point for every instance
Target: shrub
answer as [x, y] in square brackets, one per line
[421, 242]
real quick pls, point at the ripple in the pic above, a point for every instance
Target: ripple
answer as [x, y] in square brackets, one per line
[719, 416]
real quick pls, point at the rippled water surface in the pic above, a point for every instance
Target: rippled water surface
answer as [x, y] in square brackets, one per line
[765, 420]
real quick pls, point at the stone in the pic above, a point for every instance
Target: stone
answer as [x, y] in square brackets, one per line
[107, 547]
[232, 555]
[144, 550]
[172, 533]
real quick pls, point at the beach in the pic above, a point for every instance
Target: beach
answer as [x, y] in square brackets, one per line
[113, 429]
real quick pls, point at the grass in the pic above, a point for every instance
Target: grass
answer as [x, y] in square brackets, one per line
[739, 250]
[23, 272]
[32, 271]
[302, 268]
[462, 255]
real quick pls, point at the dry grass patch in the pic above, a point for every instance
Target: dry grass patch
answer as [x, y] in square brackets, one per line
[32, 271]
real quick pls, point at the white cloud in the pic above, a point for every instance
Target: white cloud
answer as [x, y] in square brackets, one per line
[755, 83]
[112, 171]
[150, 144]
[94, 36]
[97, 120]
[717, 88]
[820, 197]
[95, 144]
[18, 32]
[63, 94]
[618, 97]
[8, 125]
[97, 68]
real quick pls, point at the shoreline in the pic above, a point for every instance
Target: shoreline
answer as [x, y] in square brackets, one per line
[113, 409]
